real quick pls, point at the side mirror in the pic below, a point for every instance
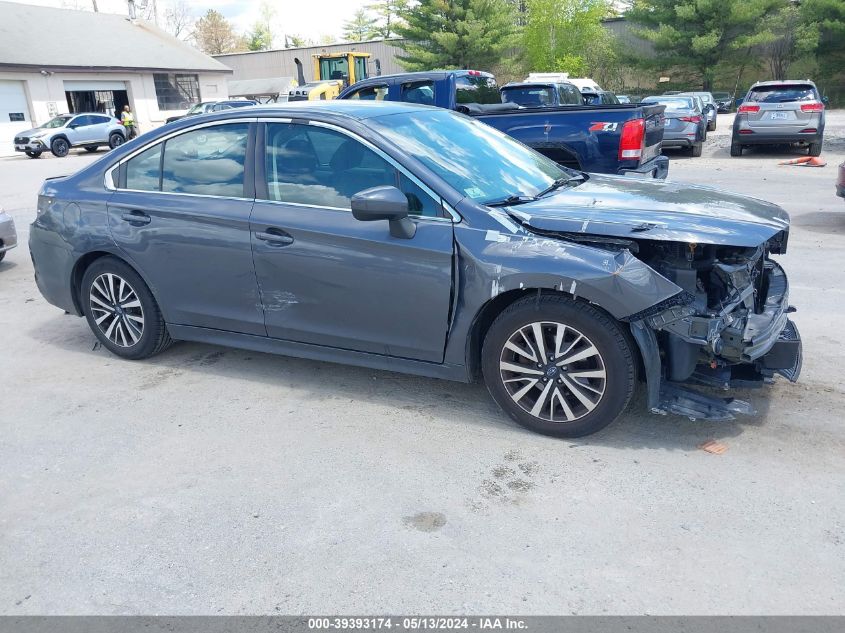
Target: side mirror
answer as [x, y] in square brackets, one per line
[73, 126]
[826, 100]
[384, 203]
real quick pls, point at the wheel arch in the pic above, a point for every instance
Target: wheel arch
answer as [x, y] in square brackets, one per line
[84, 262]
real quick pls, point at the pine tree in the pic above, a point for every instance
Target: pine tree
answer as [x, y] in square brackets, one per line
[361, 27]
[387, 16]
[456, 34]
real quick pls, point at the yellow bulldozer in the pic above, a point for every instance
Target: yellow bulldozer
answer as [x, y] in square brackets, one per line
[332, 73]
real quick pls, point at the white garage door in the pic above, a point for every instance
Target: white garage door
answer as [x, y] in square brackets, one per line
[14, 114]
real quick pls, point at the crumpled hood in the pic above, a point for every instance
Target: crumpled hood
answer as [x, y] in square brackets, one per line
[655, 210]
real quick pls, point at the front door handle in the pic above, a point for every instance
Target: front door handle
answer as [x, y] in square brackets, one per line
[136, 217]
[275, 237]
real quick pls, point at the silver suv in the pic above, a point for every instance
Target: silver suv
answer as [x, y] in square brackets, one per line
[779, 112]
[88, 129]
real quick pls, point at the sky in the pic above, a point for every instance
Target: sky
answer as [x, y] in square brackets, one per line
[310, 19]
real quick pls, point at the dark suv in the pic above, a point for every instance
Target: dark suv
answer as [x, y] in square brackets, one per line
[780, 112]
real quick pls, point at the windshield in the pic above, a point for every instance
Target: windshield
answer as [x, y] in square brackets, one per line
[782, 94]
[529, 96]
[197, 108]
[721, 95]
[59, 121]
[676, 103]
[476, 89]
[475, 159]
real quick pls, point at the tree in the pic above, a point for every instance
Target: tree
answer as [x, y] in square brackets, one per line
[260, 38]
[179, 20]
[698, 35]
[566, 36]
[387, 15]
[456, 34]
[295, 41]
[788, 37]
[361, 27]
[215, 35]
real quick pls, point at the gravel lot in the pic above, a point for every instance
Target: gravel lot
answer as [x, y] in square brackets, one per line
[210, 480]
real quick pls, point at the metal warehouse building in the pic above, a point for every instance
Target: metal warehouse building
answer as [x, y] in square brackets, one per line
[90, 62]
[282, 62]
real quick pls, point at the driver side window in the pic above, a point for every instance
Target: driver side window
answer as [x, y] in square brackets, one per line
[316, 166]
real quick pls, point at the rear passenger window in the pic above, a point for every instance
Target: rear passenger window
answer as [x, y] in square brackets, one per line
[143, 171]
[421, 92]
[370, 93]
[209, 161]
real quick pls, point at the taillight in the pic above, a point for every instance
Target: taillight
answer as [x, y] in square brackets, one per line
[473, 73]
[748, 108]
[633, 138]
[691, 119]
[815, 106]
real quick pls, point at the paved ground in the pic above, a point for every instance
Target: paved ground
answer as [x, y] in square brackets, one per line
[210, 480]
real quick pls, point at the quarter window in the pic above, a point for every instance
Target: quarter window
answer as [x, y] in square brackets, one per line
[143, 172]
[370, 93]
[316, 166]
[421, 92]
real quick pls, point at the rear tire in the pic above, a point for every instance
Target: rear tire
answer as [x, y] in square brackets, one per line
[736, 149]
[116, 140]
[2, 256]
[121, 310]
[711, 126]
[60, 148]
[92, 148]
[695, 150]
[563, 400]
[815, 149]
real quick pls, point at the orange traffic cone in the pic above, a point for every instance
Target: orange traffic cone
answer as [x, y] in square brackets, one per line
[796, 161]
[815, 162]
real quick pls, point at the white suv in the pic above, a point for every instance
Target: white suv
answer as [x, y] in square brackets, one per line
[89, 130]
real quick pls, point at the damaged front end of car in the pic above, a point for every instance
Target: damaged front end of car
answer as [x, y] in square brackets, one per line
[728, 328]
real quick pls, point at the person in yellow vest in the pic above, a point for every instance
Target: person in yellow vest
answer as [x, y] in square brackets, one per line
[128, 120]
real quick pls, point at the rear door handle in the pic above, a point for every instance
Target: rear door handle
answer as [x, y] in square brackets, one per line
[136, 217]
[275, 237]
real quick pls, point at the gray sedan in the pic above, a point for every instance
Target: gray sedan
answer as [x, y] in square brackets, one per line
[686, 125]
[8, 235]
[418, 240]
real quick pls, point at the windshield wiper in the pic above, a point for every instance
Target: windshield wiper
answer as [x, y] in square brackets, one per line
[560, 182]
[510, 201]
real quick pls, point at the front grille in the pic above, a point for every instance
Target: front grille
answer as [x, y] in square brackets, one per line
[21, 140]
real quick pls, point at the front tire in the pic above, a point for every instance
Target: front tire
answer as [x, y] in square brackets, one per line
[60, 148]
[121, 310]
[558, 366]
[33, 154]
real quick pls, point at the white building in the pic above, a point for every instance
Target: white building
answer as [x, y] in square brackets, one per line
[55, 61]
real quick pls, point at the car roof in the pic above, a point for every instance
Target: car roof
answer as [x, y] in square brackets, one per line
[531, 84]
[343, 108]
[427, 74]
[86, 114]
[785, 82]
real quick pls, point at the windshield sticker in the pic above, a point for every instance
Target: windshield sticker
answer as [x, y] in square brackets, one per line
[473, 192]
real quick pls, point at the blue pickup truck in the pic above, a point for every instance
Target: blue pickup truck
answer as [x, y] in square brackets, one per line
[620, 139]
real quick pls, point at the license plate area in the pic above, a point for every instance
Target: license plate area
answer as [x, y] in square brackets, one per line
[780, 115]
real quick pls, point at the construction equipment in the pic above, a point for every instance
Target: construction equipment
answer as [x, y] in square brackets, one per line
[332, 73]
[345, 66]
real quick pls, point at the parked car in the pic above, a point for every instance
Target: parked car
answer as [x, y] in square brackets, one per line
[709, 108]
[90, 130]
[609, 139]
[685, 125]
[780, 112]
[840, 183]
[538, 95]
[213, 106]
[602, 97]
[418, 240]
[8, 235]
[723, 101]
[624, 99]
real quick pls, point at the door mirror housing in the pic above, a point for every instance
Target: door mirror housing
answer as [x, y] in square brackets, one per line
[384, 203]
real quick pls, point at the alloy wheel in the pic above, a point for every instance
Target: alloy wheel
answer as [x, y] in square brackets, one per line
[117, 310]
[553, 371]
